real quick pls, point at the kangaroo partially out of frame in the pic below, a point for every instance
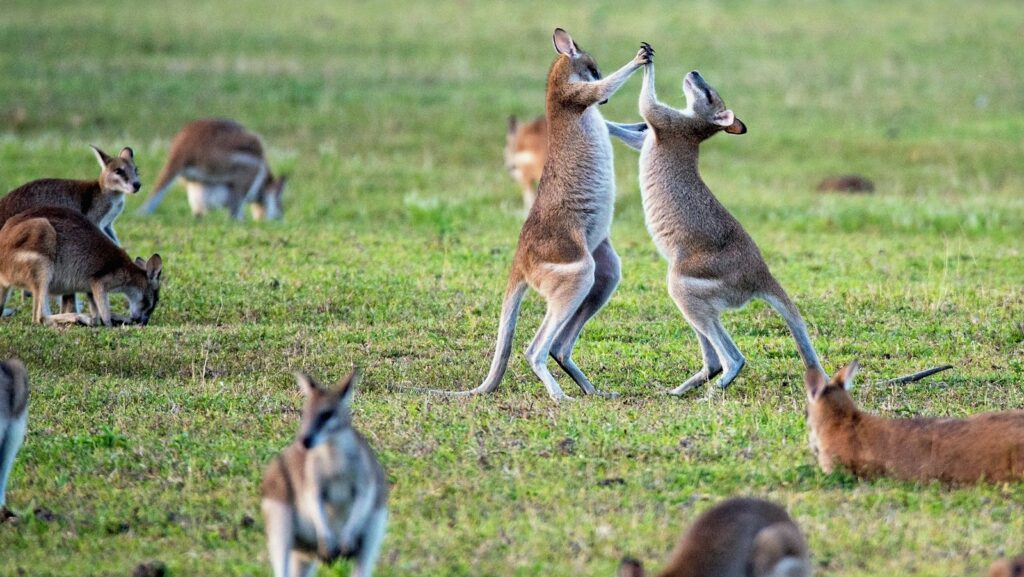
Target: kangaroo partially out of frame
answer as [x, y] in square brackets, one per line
[1007, 568]
[564, 251]
[58, 251]
[325, 495]
[736, 538]
[13, 421]
[714, 265]
[983, 447]
[223, 165]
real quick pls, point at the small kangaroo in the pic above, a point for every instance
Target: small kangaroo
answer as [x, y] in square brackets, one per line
[985, 447]
[223, 165]
[325, 495]
[713, 263]
[53, 250]
[564, 251]
[1007, 568]
[736, 538]
[13, 420]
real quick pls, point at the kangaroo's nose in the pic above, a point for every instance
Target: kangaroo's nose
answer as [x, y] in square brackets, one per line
[136, 186]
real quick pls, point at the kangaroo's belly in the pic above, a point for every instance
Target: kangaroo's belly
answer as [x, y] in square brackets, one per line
[203, 196]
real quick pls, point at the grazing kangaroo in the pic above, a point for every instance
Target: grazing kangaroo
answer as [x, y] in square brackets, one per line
[1007, 568]
[983, 447]
[13, 420]
[223, 165]
[58, 251]
[526, 148]
[736, 538]
[564, 251]
[713, 263]
[325, 495]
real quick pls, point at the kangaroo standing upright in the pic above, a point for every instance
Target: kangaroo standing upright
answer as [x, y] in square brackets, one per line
[736, 538]
[564, 250]
[223, 165]
[325, 495]
[13, 421]
[713, 263]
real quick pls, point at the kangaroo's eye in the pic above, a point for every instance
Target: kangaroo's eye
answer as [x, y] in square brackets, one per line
[593, 72]
[120, 172]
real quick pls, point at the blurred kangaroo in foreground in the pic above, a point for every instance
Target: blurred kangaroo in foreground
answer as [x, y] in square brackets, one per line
[223, 165]
[1007, 568]
[325, 495]
[988, 446]
[713, 263]
[58, 251]
[13, 420]
[736, 538]
[526, 149]
[564, 251]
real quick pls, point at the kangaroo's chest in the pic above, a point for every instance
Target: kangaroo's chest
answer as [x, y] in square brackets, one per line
[107, 210]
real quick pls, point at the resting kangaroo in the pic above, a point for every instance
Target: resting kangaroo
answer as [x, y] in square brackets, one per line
[713, 263]
[325, 495]
[1007, 568]
[736, 538]
[564, 250]
[58, 251]
[988, 446]
[223, 165]
[13, 421]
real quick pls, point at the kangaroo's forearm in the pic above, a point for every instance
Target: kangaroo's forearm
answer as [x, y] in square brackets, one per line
[589, 93]
[653, 112]
[632, 135]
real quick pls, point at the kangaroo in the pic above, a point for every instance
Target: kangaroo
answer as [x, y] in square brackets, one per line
[13, 420]
[223, 165]
[986, 446]
[526, 148]
[1007, 568]
[564, 251]
[713, 263]
[736, 538]
[325, 495]
[53, 250]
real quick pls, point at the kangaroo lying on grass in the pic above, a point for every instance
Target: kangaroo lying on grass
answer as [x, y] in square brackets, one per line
[736, 538]
[325, 495]
[984, 447]
[13, 421]
[58, 251]
[1007, 568]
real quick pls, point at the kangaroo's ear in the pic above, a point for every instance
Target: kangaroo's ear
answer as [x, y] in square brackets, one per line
[815, 382]
[127, 153]
[154, 267]
[844, 378]
[727, 120]
[513, 124]
[347, 389]
[307, 384]
[101, 156]
[630, 567]
[140, 262]
[737, 127]
[564, 43]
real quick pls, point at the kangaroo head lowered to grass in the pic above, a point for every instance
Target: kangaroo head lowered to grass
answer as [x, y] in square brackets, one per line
[987, 446]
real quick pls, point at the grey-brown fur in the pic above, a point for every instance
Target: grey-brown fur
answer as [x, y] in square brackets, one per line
[58, 251]
[223, 165]
[13, 420]
[713, 263]
[325, 495]
[736, 538]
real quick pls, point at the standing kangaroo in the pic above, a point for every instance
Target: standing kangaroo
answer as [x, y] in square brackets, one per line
[223, 165]
[987, 446]
[564, 251]
[713, 263]
[13, 420]
[325, 495]
[58, 251]
[736, 538]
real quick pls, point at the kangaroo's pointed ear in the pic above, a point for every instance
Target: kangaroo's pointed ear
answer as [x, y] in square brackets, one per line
[630, 567]
[814, 380]
[727, 120]
[844, 378]
[140, 262]
[154, 268]
[101, 156]
[737, 127]
[307, 384]
[127, 153]
[513, 124]
[564, 43]
[347, 389]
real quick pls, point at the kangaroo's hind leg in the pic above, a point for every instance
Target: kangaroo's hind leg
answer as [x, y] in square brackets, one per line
[696, 300]
[372, 537]
[712, 367]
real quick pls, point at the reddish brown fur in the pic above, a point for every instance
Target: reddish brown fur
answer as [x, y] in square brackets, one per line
[526, 145]
[1007, 568]
[988, 446]
[846, 183]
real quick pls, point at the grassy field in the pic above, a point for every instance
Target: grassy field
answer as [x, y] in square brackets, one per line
[400, 224]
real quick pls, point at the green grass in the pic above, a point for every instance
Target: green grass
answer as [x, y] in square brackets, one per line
[400, 226]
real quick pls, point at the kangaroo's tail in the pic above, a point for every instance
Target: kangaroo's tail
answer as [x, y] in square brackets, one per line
[503, 348]
[779, 300]
[162, 185]
[780, 551]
